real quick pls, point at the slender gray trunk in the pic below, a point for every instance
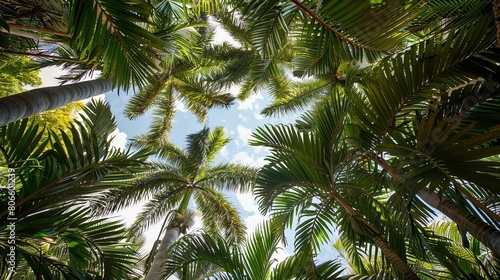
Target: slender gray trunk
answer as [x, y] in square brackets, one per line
[29, 103]
[171, 235]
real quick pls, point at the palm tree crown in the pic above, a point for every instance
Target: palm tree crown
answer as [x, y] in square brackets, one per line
[184, 176]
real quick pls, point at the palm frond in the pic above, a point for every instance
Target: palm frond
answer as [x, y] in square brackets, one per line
[145, 99]
[165, 182]
[220, 215]
[448, 155]
[230, 177]
[399, 90]
[69, 243]
[157, 208]
[19, 142]
[314, 228]
[205, 248]
[104, 31]
[77, 164]
[297, 97]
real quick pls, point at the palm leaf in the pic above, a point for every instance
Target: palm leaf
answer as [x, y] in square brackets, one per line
[220, 215]
[75, 165]
[398, 90]
[110, 32]
[230, 177]
[201, 248]
[448, 155]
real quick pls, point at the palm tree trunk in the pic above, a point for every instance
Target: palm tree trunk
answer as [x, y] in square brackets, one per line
[496, 13]
[381, 243]
[400, 265]
[171, 235]
[29, 103]
[482, 231]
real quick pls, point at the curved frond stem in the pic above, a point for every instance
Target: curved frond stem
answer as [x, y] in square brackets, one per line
[402, 105]
[45, 56]
[476, 202]
[15, 27]
[324, 24]
[344, 203]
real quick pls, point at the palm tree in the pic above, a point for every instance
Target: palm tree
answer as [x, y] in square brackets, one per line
[311, 40]
[451, 47]
[83, 35]
[196, 72]
[451, 261]
[431, 122]
[309, 174]
[55, 237]
[323, 38]
[212, 255]
[180, 178]
[199, 76]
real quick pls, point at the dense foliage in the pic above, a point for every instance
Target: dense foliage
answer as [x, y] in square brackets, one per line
[393, 160]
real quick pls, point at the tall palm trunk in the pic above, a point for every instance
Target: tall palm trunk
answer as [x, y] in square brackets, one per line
[368, 230]
[482, 231]
[29, 103]
[496, 12]
[395, 259]
[171, 235]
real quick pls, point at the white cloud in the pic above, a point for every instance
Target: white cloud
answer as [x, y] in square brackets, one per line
[258, 116]
[224, 153]
[235, 90]
[179, 106]
[244, 135]
[247, 202]
[250, 102]
[221, 35]
[119, 140]
[245, 158]
[49, 75]
[253, 221]
[243, 118]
